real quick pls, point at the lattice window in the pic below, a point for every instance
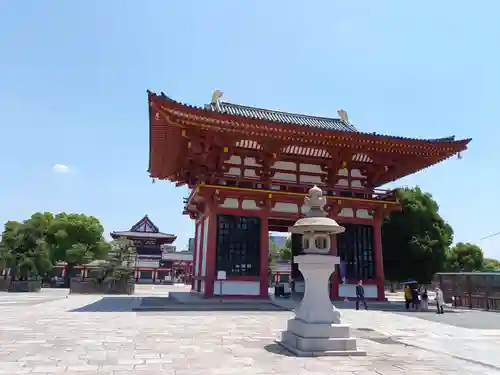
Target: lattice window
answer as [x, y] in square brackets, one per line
[238, 245]
[355, 248]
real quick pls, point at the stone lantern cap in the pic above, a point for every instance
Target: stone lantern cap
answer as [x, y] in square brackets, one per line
[316, 220]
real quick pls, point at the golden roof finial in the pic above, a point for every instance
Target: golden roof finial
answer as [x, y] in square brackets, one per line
[216, 95]
[343, 115]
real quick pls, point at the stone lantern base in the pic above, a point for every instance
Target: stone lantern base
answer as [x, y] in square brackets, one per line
[316, 339]
[316, 329]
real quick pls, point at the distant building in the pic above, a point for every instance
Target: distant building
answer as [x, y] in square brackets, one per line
[156, 254]
[168, 248]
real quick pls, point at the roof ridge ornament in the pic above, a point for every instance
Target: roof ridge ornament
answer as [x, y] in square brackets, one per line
[216, 96]
[343, 116]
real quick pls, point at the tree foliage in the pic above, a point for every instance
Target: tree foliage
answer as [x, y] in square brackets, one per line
[286, 252]
[33, 246]
[464, 257]
[415, 239]
[120, 261]
[24, 247]
[491, 264]
[76, 239]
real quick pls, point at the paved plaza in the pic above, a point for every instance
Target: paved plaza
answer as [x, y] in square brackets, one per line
[53, 333]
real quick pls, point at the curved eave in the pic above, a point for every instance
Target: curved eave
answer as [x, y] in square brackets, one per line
[166, 240]
[228, 118]
[164, 144]
[166, 140]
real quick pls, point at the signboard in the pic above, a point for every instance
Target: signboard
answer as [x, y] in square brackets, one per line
[221, 275]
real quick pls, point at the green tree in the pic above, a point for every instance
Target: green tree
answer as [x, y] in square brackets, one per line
[33, 246]
[491, 264]
[24, 248]
[415, 239]
[465, 257]
[286, 252]
[120, 261]
[76, 239]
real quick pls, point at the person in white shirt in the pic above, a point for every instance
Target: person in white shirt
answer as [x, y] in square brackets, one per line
[439, 301]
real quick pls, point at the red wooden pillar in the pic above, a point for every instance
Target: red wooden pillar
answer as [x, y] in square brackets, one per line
[194, 282]
[199, 260]
[379, 259]
[264, 253]
[334, 284]
[210, 263]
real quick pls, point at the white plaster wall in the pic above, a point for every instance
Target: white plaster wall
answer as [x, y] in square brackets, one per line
[356, 184]
[250, 173]
[279, 176]
[356, 173]
[285, 207]
[363, 214]
[241, 288]
[250, 161]
[230, 203]
[343, 182]
[289, 166]
[349, 290]
[202, 286]
[234, 160]
[249, 204]
[233, 171]
[347, 212]
[204, 247]
[310, 179]
[310, 168]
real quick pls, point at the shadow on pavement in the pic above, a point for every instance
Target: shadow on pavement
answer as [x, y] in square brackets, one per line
[165, 304]
[111, 304]
[278, 349]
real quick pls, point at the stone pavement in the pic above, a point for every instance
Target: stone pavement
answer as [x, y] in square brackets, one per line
[52, 333]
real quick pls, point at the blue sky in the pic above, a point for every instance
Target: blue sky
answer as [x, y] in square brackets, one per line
[74, 74]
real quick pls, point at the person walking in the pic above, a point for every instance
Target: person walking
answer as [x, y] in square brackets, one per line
[407, 297]
[415, 301]
[360, 295]
[439, 301]
[425, 299]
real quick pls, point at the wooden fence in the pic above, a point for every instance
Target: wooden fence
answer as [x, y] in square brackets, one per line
[475, 290]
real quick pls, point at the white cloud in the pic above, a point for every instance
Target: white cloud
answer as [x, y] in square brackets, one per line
[61, 168]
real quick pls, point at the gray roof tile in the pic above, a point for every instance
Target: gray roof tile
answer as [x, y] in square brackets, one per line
[326, 123]
[281, 117]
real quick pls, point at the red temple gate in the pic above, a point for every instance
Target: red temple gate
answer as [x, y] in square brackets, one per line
[249, 170]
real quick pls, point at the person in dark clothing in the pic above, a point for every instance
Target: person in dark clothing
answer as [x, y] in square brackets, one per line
[360, 295]
[415, 301]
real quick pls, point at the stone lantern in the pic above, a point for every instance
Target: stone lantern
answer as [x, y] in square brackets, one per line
[316, 329]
